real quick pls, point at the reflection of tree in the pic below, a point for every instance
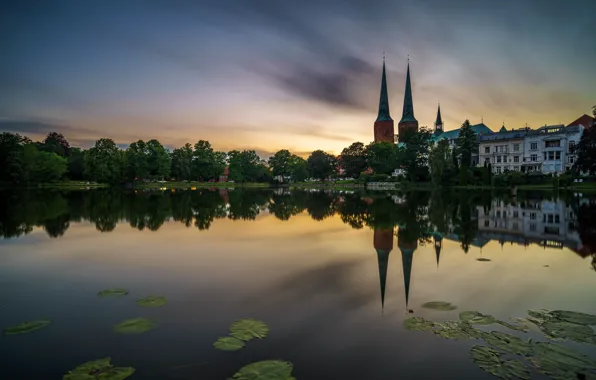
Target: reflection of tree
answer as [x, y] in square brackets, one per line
[148, 210]
[465, 227]
[320, 205]
[287, 205]
[206, 207]
[353, 211]
[246, 205]
[56, 227]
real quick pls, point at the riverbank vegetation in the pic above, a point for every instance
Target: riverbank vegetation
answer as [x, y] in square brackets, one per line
[418, 160]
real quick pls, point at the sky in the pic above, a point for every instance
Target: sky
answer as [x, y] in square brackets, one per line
[298, 75]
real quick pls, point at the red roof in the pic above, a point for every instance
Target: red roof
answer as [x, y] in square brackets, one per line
[584, 120]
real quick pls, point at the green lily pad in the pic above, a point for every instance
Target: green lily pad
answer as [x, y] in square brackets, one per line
[476, 318]
[482, 259]
[113, 292]
[522, 327]
[152, 301]
[574, 317]
[26, 327]
[265, 370]
[100, 369]
[567, 330]
[439, 305]
[490, 361]
[247, 329]
[228, 343]
[453, 330]
[418, 324]
[135, 326]
[560, 362]
[509, 343]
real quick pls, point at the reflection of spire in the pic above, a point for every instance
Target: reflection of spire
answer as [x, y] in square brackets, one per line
[383, 243]
[407, 257]
[438, 238]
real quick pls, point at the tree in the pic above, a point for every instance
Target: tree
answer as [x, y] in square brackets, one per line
[245, 166]
[40, 167]
[280, 164]
[466, 144]
[298, 168]
[439, 160]
[11, 157]
[182, 162]
[414, 156]
[76, 164]
[586, 150]
[159, 160]
[104, 162]
[381, 157]
[321, 165]
[56, 143]
[353, 159]
[207, 164]
[136, 161]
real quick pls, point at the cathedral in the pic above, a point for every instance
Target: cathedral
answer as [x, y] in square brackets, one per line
[384, 129]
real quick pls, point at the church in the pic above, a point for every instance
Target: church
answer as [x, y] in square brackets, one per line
[384, 130]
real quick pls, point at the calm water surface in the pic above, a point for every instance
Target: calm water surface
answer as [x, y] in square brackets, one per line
[333, 274]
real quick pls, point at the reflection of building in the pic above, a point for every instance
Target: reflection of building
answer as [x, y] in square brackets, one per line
[407, 245]
[383, 243]
[548, 223]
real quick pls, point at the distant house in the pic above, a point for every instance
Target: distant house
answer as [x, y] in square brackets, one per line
[584, 120]
[225, 174]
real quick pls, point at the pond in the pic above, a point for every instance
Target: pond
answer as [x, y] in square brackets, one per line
[333, 275]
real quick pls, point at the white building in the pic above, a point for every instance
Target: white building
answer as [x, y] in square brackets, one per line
[548, 149]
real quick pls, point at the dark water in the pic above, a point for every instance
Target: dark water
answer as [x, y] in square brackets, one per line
[333, 274]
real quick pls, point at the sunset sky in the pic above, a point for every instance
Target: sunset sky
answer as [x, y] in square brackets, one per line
[300, 75]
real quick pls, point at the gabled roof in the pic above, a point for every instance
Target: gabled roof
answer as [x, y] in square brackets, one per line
[584, 120]
[479, 129]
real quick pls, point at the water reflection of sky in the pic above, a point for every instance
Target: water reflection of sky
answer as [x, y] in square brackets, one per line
[315, 282]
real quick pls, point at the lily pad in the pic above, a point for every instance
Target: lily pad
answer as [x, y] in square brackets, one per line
[560, 362]
[574, 317]
[456, 330]
[135, 326]
[490, 361]
[439, 305]
[26, 327]
[568, 330]
[482, 259]
[113, 292]
[228, 343]
[152, 301]
[418, 324]
[509, 343]
[99, 369]
[476, 318]
[265, 370]
[521, 327]
[247, 329]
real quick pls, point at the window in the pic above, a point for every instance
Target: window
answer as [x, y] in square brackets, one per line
[533, 227]
[557, 219]
[552, 144]
[533, 146]
[486, 223]
[487, 149]
[570, 159]
[498, 170]
[486, 160]
[551, 156]
[534, 157]
[516, 147]
[550, 218]
[571, 146]
[496, 149]
[533, 216]
[516, 168]
[515, 158]
[515, 214]
[498, 214]
[501, 149]
[498, 158]
[515, 227]
[557, 155]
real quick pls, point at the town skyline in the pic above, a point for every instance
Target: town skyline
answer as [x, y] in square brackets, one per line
[278, 78]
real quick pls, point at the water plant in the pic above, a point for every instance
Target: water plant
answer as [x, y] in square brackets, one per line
[113, 292]
[265, 370]
[135, 326]
[247, 329]
[228, 343]
[27, 327]
[476, 318]
[491, 361]
[99, 369]
[439, 305]
[152, 301]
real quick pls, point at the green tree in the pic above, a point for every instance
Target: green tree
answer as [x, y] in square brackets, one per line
[245, 166]
[353, 159]
[586, 150]
[281, 164]
[56, 143]
[136, 163]
[182, 162]
[381, 157]
[76, 164]
[11, 157]
[206, 162]
[321, 165]
[298, 168]
[40, 167]
[104, 162]
[414, 157]
[439, 160]
[159, 160]
[466, 144]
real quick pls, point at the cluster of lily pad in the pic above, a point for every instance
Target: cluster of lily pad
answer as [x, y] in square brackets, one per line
[245, 330]
[551, 359]
[99, 369]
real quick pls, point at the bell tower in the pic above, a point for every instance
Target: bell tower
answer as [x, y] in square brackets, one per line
[383, 128]
[408, 123]
[439, 122]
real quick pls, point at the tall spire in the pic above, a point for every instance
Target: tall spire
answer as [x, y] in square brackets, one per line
[384, 100]
[439, 120]
[408, 112]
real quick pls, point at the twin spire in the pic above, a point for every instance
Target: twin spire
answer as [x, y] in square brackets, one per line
[408, 110]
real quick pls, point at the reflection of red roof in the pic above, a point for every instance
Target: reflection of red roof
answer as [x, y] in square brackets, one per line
[226, 170]
[584, 120]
